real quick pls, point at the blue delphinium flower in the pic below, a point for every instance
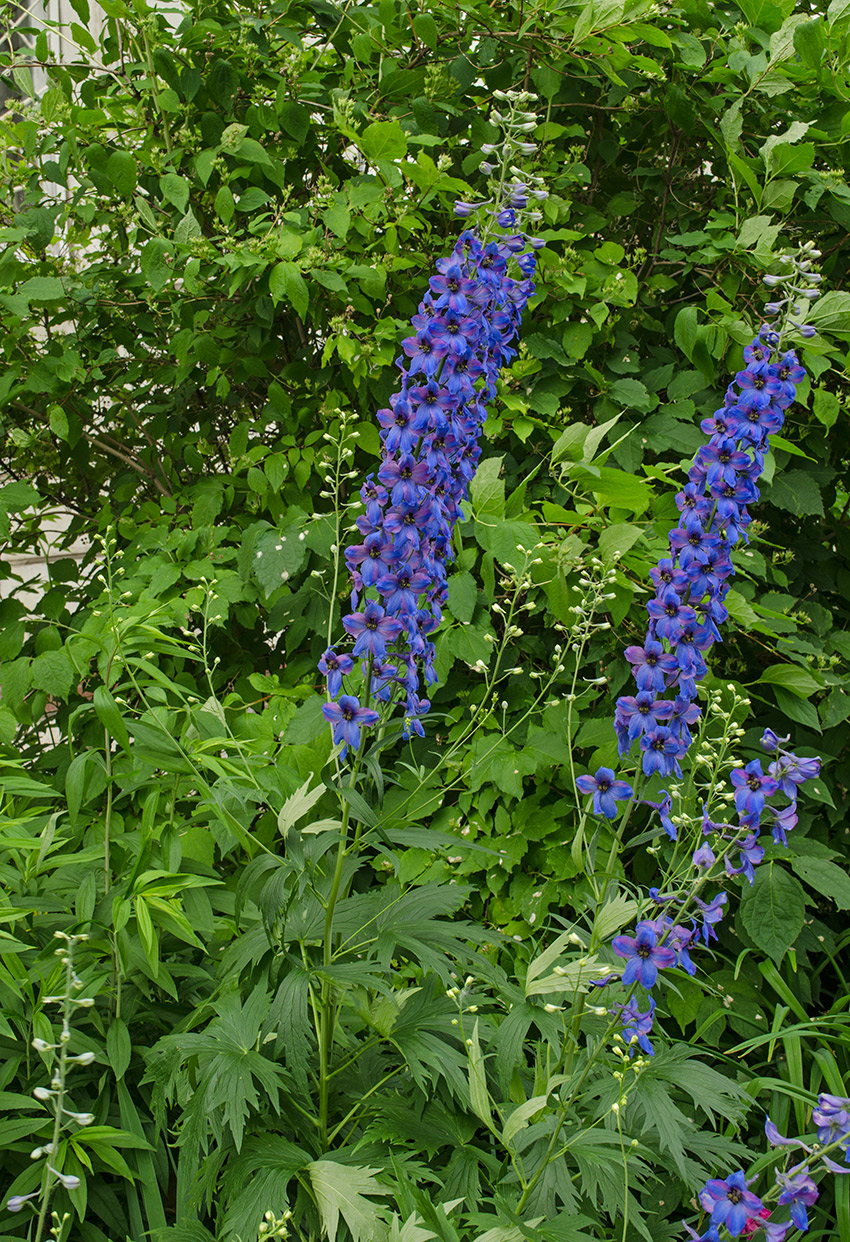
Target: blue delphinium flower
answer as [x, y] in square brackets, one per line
[637, 1025]
[606, 789]
[798, 1189]
[463, 335]
[832, 1118]
[347, 717]
[645, 956]
[691, 583]
[752, 787]
[730, 1202]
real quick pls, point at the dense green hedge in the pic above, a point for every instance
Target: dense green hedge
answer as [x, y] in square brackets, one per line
[213, 238]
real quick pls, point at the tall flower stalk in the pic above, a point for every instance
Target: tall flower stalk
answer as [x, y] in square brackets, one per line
[462, 337]
[686, 614]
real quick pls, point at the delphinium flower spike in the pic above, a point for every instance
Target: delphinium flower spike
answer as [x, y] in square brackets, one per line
[463, 336]
[55, 1096]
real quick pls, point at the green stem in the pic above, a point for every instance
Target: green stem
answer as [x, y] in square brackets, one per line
[327, 1016]
[58, 1101]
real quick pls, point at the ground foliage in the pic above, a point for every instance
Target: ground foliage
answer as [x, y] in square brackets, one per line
[213, 239]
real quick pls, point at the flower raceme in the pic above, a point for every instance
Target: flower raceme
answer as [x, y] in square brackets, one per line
[463, 336]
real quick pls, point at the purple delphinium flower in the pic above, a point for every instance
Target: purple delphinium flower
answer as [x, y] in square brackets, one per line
[448, 372]
[752, 787]
[751, 854]
[347, 717]
[712, 912]
[791, 771]
[832, 1118]
[335, 667]
[691, 583]
[778, 1140]
[636, 1025]
[710, 1235]
[606, 789]
[800, 1191]
[664, 807]
[730, 1202]
[646, 956]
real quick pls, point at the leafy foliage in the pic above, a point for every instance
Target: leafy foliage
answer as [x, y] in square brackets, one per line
[212, 238]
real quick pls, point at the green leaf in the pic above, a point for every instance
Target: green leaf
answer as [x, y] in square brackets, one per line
[773, 910]
[791, 677]
[383, 140]
[307, 724]
[827, 879]
[118, 1046]
[685, 330]
[340, 1190]
[58, 420]
[252, 199]
[631, 394]
[487, 490]
[337, 218]
[463, 596]
[233, 137]
[796, 492]
[187, 229]
[278, 554]
[154, 267]
[109, 715]
[225, 204]
[54, 673]
[298, 804]
[175, 190]
[285, 280]
[425, 29]
[479, 1096]
[810, 42]
[122, 171]
[42, 289]
[618, 539]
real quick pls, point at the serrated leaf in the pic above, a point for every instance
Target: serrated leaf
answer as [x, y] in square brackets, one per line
[340, 1190]
[175, 190]
[54, 673]
[42, 289]
[298, 804]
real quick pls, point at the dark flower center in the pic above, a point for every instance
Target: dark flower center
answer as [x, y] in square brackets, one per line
[735, 1195]
[758, 381]
[347, 713]
[602, 786]
[672, 610]
[754, 783]
[652, 660]
[644, 709]
[454, 285]
[424, 347]
[694, 539]
[372, 624]
[644, 951]
[405, 473]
